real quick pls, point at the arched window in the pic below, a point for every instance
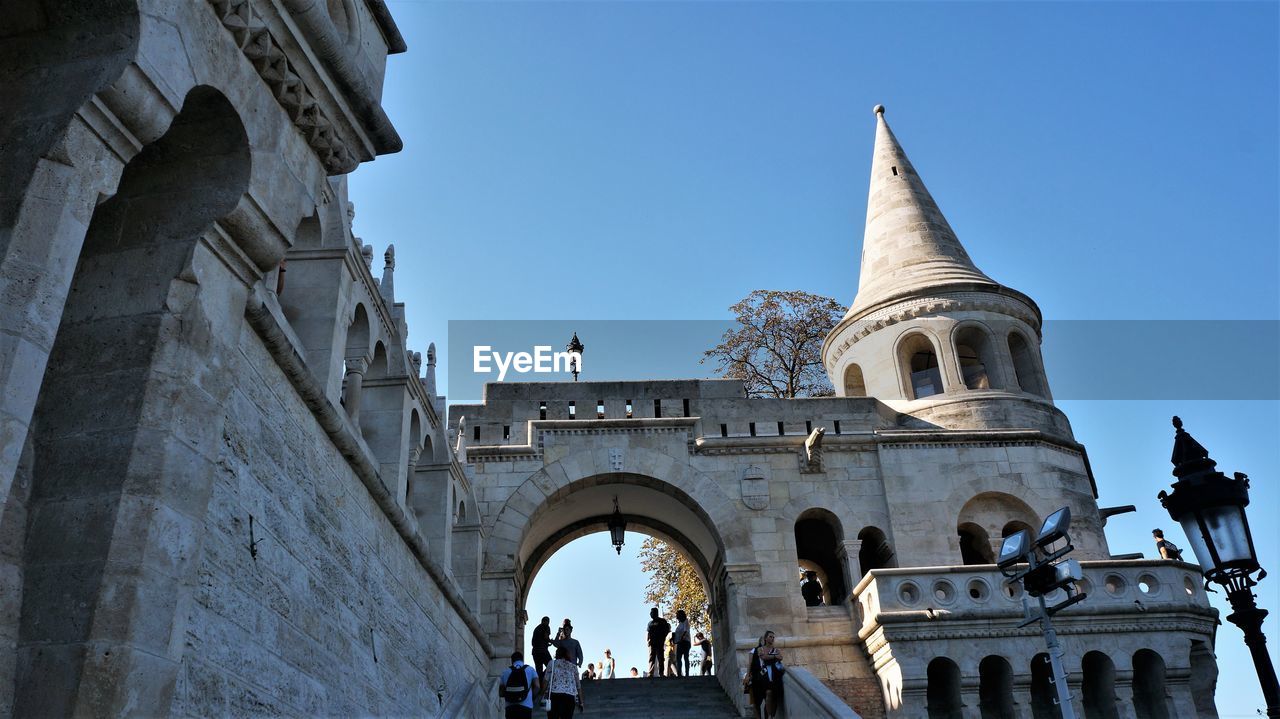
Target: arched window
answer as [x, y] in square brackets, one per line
[818, 535]
[358, 334]
[943, 693]
[854, 385]
[977, 360]
[1150, 700]
[462, 512]
[975, 544]
[1099, 688]
[378, 366]
[1042, 691]
[1026, 366]
[876, 552]
[919, 362]
[995, 688]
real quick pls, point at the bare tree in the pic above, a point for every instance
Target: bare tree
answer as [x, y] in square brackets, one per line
[776, 349]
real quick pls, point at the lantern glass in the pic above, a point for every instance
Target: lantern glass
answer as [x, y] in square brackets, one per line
[616, 533]
[1228, 532]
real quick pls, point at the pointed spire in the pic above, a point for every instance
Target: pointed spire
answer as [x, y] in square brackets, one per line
[908, 246]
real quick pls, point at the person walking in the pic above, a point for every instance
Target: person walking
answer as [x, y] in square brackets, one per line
[518, 686]
[609, 667]
[541, 648]
[683, 643]
[564, 686]
[705, 645]
[656, 636]
[765, 674]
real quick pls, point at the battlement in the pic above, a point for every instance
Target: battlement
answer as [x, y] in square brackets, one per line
[720, 408]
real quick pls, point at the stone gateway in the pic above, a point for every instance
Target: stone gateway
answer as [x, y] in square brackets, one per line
[228, 485]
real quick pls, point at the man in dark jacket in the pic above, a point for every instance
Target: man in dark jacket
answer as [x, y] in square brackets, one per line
[541, 641]
[656, 635]
[811, 590]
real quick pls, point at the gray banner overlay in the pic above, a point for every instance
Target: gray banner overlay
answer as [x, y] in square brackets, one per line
[1084, 359]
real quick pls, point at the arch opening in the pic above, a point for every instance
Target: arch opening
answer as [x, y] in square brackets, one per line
[995, 688]
[1042, 692]
[876, 551]
[1150, 696]
[1099, 686]
[1026, 365]
[818, 536]
[922, 374]
[943, 692]
[975, 544]
[976, 356]
[854, 383]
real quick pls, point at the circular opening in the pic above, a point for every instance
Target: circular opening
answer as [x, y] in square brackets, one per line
[978, 590]
[1115, 584]
[944, 591]
[1084, 586]
[1013, 591]
[1148, 584]
[1189, 585]
[908, 593]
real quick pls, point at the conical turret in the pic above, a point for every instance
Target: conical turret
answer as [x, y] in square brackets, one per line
[908, 246]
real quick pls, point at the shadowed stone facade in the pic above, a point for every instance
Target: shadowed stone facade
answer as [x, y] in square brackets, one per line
[229, 487]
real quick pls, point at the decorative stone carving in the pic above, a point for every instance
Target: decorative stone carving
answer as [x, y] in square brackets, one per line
[268, 57]
[755, 488]
[812, 461]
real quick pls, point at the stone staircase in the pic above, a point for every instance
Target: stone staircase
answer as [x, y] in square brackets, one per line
[693, 697]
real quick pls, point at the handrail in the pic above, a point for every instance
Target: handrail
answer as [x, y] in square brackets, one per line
[805, 696]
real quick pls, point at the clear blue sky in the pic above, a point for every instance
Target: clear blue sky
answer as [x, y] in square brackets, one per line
[660, 160]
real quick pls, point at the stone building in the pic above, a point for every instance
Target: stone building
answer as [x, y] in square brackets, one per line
[942, 440]
[228, 485]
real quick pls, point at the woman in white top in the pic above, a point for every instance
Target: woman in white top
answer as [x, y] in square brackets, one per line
[609, 665]
[564, 685]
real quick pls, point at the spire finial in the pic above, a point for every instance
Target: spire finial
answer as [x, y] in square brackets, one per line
[1189, 456]
[878, 109]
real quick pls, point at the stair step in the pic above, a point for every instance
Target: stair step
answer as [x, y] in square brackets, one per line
[672, 697]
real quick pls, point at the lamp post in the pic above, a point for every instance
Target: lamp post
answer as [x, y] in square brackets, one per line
[617, 527]
[1210, 509]
[1036, 565]
[575, 349]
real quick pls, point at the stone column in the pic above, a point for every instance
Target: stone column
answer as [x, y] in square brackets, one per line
[970, 700]
[847, 550]
[405, 501]
[354, 384]
[1124, 700]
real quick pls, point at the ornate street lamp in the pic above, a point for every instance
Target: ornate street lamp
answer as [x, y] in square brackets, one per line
[617, 527]
[1210, 509]
[575, 346]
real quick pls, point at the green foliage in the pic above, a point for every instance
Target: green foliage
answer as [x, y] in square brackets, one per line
[776, 349]
[674, 584]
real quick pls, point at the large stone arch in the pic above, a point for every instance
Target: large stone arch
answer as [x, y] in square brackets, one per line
[663, 496]
[580, 470]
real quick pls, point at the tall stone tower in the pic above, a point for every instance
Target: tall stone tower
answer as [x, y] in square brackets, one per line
[929, 333]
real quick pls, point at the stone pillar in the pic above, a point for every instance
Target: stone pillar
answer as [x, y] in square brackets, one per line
[847, 550]
[405, 501]
[970, 700]
[354, 384]
[1124, 700]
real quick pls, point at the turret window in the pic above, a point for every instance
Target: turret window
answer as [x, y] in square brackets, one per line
[854, 384]
[977, 361]
[1026, 365]
[919, 361]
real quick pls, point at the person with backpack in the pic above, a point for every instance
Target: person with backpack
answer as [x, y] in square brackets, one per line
[1167, 549]
[518, 686]
[656, 636]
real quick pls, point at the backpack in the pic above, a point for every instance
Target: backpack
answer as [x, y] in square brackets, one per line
[1171, 549]
[515, 690]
